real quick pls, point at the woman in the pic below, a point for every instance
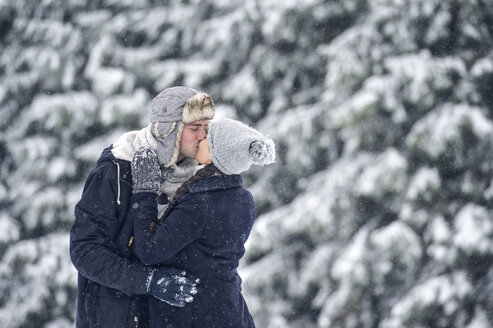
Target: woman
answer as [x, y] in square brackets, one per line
[205, 227]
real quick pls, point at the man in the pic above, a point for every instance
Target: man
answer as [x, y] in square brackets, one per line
[112, 284]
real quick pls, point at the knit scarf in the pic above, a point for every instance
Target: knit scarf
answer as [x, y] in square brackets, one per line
[173, 177]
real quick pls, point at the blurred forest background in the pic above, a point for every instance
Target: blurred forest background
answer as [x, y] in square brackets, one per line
[379, 209]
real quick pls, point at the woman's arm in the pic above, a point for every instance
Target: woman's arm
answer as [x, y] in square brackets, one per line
[182, 226]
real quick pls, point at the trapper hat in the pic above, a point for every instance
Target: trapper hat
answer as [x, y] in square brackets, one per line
[171, 109]
[234, 146]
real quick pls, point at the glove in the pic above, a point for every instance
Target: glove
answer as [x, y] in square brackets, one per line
[146, 174]
[171, 286]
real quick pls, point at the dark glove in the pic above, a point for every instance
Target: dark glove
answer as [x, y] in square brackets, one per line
[146, 174]
[171, 286]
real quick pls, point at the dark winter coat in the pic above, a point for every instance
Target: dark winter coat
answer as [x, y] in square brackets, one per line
[203, 232]
[110, 277]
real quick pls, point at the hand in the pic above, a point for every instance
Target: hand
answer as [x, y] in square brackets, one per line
[146, 174]
[171, 286]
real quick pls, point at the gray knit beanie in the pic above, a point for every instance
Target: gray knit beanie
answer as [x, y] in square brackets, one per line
[171, 109]
[234, 146]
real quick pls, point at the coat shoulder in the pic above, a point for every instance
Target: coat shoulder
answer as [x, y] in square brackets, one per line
[216, 183]
[111, 168]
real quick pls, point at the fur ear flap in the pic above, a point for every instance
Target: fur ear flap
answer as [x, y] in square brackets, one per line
[198, 107]
[176, 150]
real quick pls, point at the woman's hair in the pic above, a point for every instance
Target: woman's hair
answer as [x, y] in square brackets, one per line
[205, 172]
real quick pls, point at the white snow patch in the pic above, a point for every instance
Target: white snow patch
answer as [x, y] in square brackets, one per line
[397, 244]
[442, 128]
[446, 291]
[386, 175]
[480, 319]
[424, 183]
[473, 229]
[10, 229]
[351, 264]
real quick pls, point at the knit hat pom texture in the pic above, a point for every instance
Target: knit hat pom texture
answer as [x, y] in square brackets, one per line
[263, 151]
[234, 146]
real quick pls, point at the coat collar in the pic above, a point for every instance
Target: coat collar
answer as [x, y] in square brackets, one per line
[209, 184]
[217, 183]
[107, 155]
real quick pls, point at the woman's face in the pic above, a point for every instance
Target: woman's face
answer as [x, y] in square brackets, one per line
[203, 155]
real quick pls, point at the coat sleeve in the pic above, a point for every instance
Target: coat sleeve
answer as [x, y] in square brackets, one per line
[182, 226]
[92, 237]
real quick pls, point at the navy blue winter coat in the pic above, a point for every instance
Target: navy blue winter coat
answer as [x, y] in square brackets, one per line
[203, 232]
[110, 277]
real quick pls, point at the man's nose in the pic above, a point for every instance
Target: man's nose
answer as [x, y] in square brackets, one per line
[202, 134]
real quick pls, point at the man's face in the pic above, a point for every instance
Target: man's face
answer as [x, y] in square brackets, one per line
[203, 155]
[192, 134]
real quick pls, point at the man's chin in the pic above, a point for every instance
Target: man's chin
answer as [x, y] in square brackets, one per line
[190, 155]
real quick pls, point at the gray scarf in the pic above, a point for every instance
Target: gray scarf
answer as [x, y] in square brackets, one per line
[173, 177]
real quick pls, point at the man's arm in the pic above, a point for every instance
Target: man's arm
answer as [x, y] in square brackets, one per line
[96, 257]
[92, 249]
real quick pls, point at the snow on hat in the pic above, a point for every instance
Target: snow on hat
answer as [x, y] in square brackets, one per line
[234, 146]
[171, 109]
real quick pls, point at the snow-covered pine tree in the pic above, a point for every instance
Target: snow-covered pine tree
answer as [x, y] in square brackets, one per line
[377, 212]
[56, 115]
[396, 231]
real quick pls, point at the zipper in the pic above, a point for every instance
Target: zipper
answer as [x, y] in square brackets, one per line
[136, 320]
